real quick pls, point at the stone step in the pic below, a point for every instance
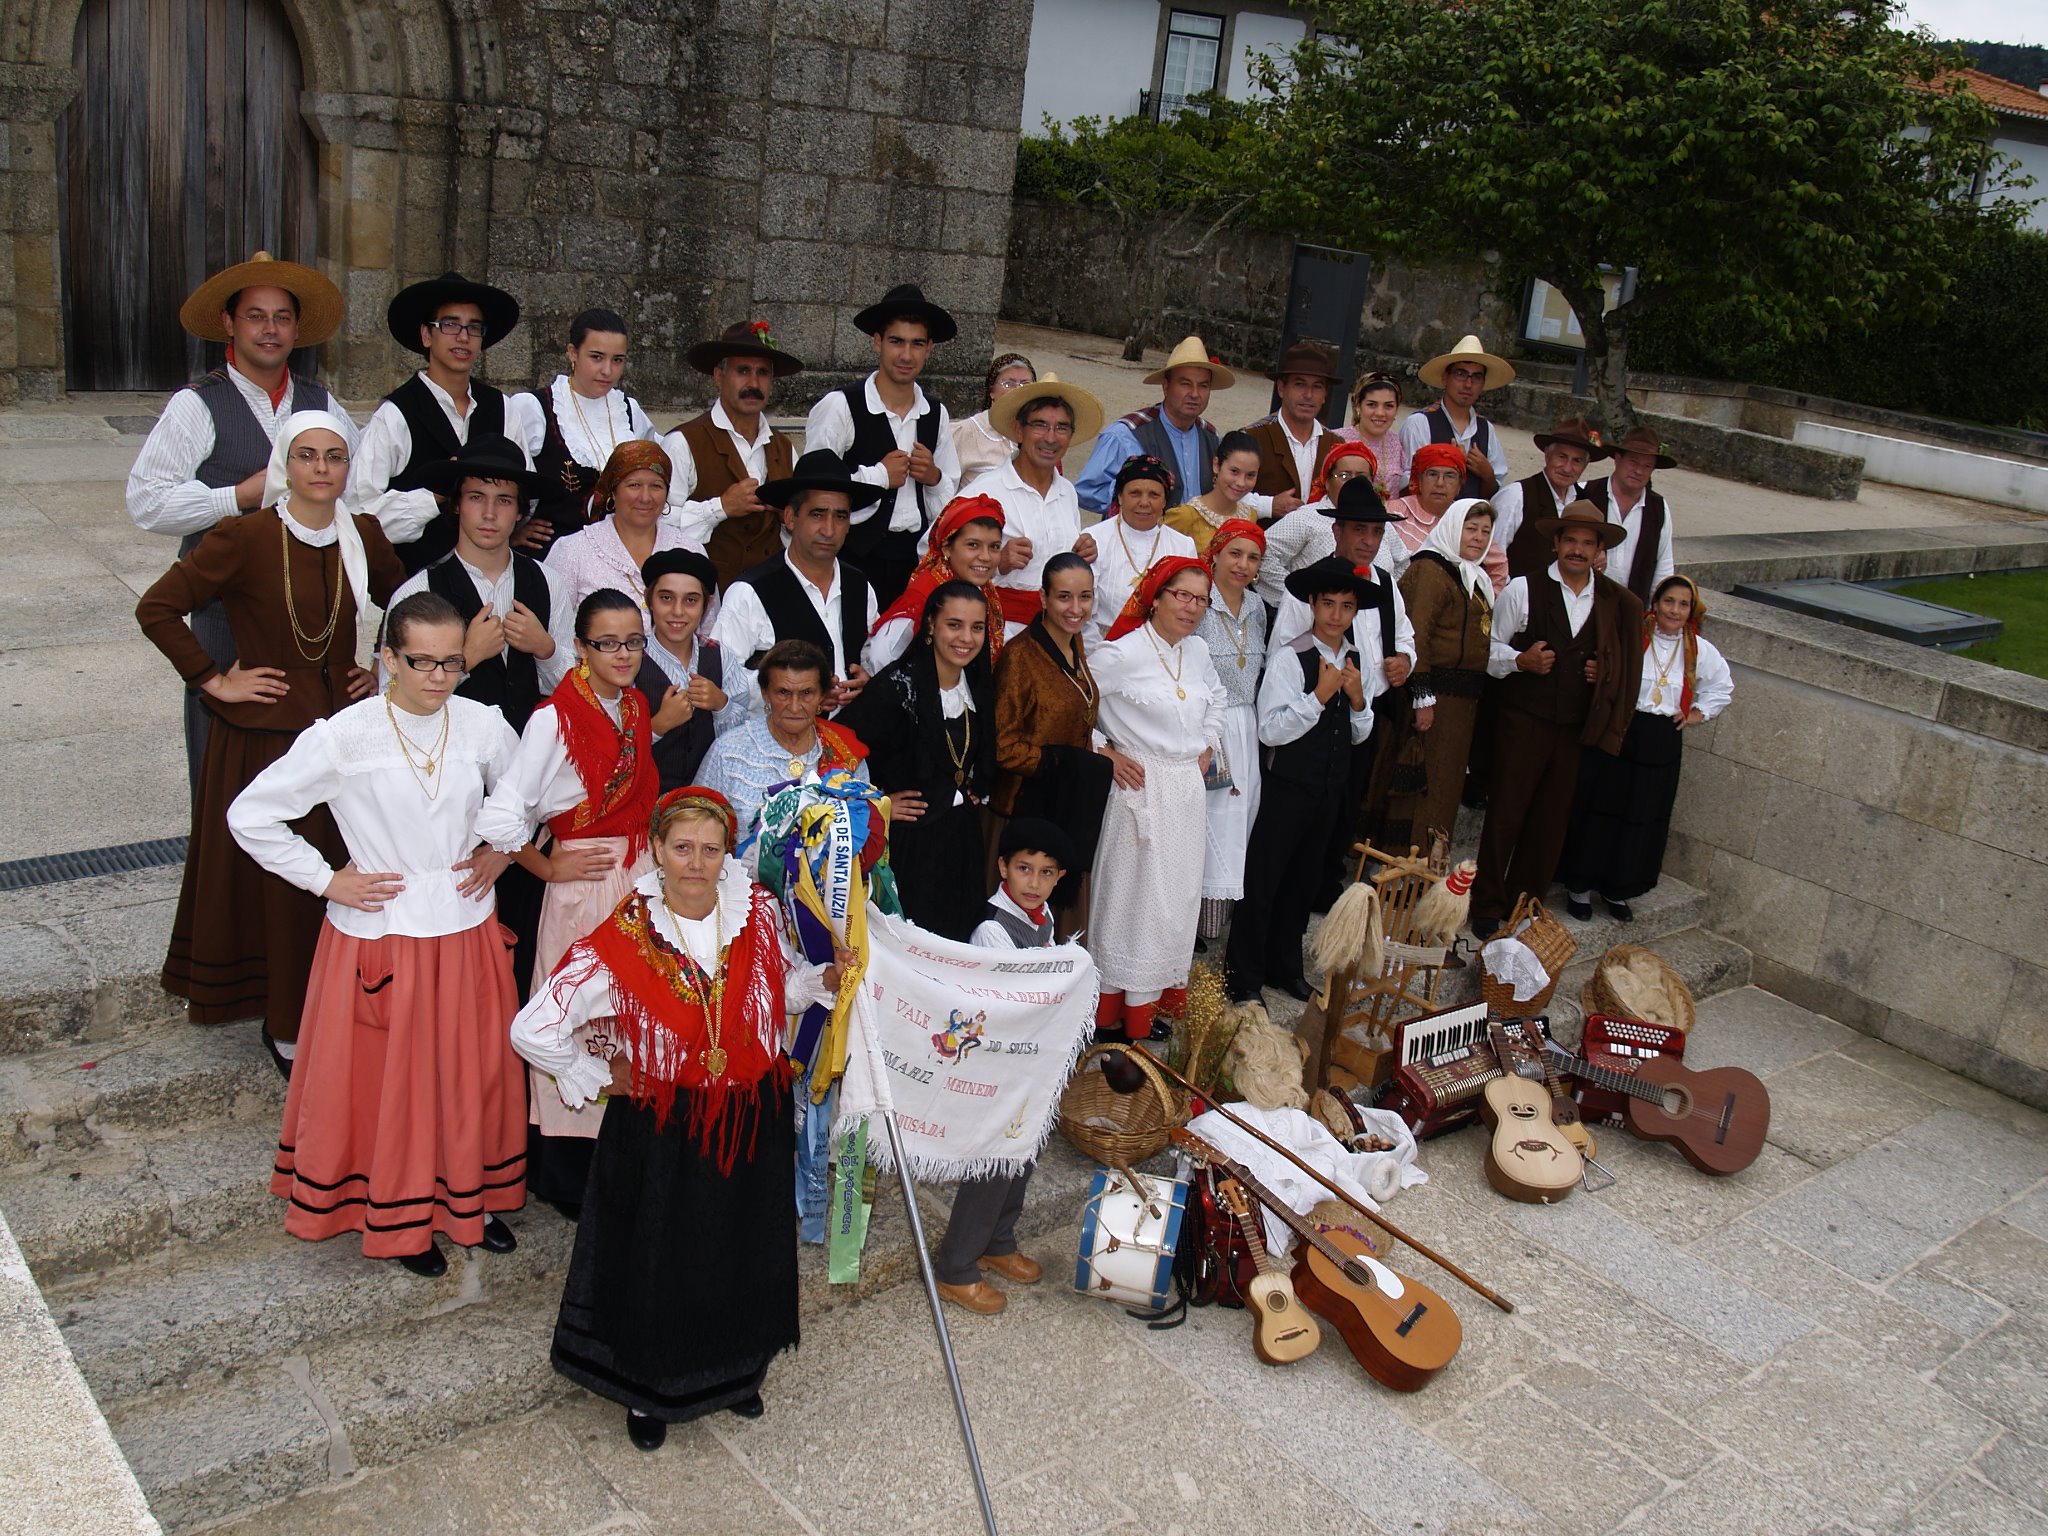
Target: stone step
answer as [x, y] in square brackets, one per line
[79, 960]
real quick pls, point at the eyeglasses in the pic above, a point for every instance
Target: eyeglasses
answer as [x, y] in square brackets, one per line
[1339, 476]
[1049, 428]
[1195, 600]
[1004, 386]
[472, 328]
[1466, 373]
[333, 458]
[607, 644]
[449, 664]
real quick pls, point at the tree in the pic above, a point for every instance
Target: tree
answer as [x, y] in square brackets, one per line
[1801, 161]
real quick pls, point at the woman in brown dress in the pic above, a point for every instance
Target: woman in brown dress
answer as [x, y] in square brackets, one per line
[294, 578]
[1449, 593]
[1046, 759]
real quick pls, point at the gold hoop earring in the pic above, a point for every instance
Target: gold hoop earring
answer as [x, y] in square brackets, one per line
[583, 670]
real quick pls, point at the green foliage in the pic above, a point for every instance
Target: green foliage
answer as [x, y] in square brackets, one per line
[2019, 598]
[1138, 168]
[2022, 63]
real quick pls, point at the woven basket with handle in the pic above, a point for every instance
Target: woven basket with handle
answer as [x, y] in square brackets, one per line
[1552, 945]
[1598, 994]
[1120, 1128]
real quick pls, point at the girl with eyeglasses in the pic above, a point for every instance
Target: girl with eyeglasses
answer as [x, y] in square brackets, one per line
[407, 1116]
[586, 768]
[293, 578]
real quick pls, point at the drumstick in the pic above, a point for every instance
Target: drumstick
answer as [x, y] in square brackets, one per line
[1370, 1215]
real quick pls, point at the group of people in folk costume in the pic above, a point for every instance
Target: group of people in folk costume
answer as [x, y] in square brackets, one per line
[485, 895]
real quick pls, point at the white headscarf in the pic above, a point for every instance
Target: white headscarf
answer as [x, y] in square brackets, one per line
[1447, 537]
[355, 564]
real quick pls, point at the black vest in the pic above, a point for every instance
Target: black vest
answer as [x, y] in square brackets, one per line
[433, 440]
[1152, 437]
[790, 611]
[240, 445]
[1642, 569]
[1529, 552]
[1023, 933]
[1441, 431]
[563, 501]
[679, 754]
[1321, 759]
[1561, 696]
[873, 441]
[509, 683]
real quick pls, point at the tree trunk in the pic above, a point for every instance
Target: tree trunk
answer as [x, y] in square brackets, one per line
[1606, 336]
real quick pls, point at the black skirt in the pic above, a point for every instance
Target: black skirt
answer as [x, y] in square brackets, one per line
[940, 870]
[683, 1282]
[1621, 813]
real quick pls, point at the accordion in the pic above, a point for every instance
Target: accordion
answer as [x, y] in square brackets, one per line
[1439, 1093]
[1621, 1045]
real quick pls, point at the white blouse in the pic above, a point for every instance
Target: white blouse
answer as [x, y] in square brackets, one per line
[538, 782]
[591, 429]
[545, 1030]
[1122, 557]
[1664, 673]
[596, 557]
[352, 763]
[1141, 709]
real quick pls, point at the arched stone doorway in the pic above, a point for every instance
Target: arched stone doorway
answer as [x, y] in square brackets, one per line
[184, 151]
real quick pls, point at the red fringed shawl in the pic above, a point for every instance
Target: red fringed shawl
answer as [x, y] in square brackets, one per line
[615, 765]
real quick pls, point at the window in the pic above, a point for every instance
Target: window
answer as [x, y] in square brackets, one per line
[1194, 45]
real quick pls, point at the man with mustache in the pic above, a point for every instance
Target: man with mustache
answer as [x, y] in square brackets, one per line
[723, 455]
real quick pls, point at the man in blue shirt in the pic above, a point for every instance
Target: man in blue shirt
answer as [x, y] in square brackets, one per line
[1172, 431]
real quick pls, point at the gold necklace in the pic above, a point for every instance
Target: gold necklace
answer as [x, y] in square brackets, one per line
[424, 767]
[576, 405]
[1241, 637]
[300, 636]
[796, 759]
[966, 743]
[714, 1053]
[1174, 672]
[1664, 667]
[1150, 556]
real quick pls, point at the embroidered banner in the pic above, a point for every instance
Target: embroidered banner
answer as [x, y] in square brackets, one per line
[968, 1046]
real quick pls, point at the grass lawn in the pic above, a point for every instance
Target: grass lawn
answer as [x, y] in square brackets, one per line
[2020, 598]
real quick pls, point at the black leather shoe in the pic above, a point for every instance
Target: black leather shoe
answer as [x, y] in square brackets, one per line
[645, 1431]
[752, 1408]
[1299, 989]
[278, 1059]
[430, 1265]
[498, 1237]
[1582, 910]
[1620, 911]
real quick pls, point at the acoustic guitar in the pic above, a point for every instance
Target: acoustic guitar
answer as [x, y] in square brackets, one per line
[1398, 1329]
[1564, 1109]
[1528, 1159]
[1716, 1118]
[1282, 1331]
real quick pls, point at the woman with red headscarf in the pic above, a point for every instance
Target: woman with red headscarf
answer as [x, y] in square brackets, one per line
[1304, 536]
[1161, 710]
[1234, 629]
[1435, 475]
[626, 527]
[966, 544]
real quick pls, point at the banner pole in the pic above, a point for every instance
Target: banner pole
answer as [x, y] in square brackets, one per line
[931, 1293]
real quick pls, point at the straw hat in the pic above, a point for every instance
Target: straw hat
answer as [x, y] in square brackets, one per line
[1087, 409]
[1192, 354]
[320, 304]
[1468, 350]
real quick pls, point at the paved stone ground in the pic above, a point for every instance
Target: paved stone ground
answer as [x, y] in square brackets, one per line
[1848, 1337]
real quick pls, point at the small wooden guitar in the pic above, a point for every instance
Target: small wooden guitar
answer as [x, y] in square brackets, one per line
[1398, 1329]
[1528, 1159]
[1717, 1118]
[1282, 1331]
[1564, 1109]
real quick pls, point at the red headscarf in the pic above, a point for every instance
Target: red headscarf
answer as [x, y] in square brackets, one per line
[934, 570]
[627, 459]
[1346, 449]
[675, 801]
[1229, 530]
[1139, 608]
[1436, 456]
[1689, 637]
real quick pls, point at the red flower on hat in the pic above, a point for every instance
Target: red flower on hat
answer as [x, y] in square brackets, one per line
[1216, 360]
[761, 334]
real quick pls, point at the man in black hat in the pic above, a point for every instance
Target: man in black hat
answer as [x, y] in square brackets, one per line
[892, 437]
[449, 321]
[1292, 439]
[807, 592]
[1567, 449]
[1314, 713]
[724, 456]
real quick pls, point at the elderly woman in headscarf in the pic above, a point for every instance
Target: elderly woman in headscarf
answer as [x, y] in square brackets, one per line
[1135, 537]
[1621, 812]
[1419, 776]
[1306, 534]
[1161, 711]
[966, 544]
[1435, 475]
[294, 578]
[1234, 629]
[626, 527]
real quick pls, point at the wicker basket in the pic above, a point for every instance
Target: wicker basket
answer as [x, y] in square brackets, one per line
[1552, 945]
[1114, 1127]
[1598, 995]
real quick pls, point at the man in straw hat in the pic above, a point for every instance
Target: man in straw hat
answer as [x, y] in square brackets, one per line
[723, 456]
[1041, 514]
[450, 321]
[893, 437]
[1643, 558]
[1291, 441]
[1173, 431]
[1567, 449]
[1464, 373]
[206, 456]
[1569, 643]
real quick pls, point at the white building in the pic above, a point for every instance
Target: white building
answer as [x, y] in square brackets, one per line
[2021, 133]
[1116, 58]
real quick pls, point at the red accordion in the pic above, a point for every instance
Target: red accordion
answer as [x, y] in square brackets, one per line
[1621, 1045]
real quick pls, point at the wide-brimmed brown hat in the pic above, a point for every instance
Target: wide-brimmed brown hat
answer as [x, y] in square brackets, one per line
[1640, 439]
[1499, 370]
[906, 301]
[320, 306]
[1192, 354]
[1575, 432]
[1583, 514]
[416, 305]
[1307, 359]
[1088, 412]
[743, 338]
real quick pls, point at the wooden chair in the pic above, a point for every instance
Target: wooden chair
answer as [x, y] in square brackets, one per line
[1410, 974]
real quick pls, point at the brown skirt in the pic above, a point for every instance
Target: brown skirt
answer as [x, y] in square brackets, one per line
[242, 941]
[1416, 786]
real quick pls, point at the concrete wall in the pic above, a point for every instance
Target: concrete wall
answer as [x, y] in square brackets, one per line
[1933, 468]
[1866, 820]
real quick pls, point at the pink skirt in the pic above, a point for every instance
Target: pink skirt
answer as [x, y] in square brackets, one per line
[404, 1115]
[571, 910]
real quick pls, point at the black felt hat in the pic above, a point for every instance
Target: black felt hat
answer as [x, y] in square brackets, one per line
[819, 470]
[906, 301]
[1358, 502]
[483, 457]
[743, 338]
[1328, 574]
[415, 306]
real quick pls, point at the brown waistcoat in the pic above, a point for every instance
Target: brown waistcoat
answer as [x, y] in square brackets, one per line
[737, 544]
